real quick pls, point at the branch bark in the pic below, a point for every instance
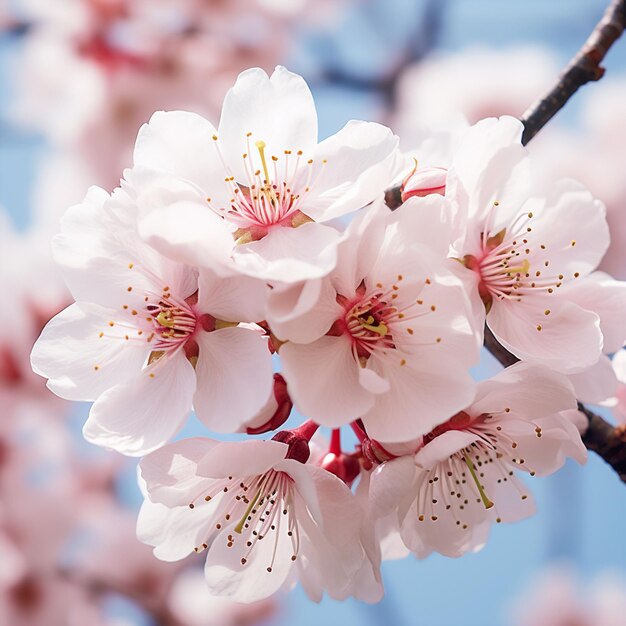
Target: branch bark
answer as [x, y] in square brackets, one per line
[583, 68]
[600, 437]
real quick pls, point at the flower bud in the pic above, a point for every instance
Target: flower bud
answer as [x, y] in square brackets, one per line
[423, 182]
[276, 412]
[298, 445]
[374, 452]
[298, 441]
[344, 466]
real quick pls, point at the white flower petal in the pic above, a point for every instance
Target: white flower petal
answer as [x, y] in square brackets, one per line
[290, 254]
[79, 362]
[568, 339]
[181, 143]
[334, 395]
[140, 415]
[277, 110]
[171, 473]
[235, 379]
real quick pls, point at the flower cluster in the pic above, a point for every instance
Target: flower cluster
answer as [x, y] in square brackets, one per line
[243, 270]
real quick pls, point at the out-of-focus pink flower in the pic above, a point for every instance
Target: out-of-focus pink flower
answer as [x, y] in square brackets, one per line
[36, 292]
[472, 84]
[190, 602]
[90, 75]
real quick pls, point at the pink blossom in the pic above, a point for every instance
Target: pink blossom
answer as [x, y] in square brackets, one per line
[523, 252]
[191, 603]
[264, 518]
[557, 598]
[143, 329]
[264, 188]
[473, 84]
[424, 181]
[462, 477]
[388, 333]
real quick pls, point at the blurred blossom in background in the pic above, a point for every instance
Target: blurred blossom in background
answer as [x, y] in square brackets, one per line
[79, 77]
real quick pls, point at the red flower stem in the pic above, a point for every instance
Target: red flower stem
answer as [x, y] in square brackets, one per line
[335, 442]
[306, 430]
[358, 431]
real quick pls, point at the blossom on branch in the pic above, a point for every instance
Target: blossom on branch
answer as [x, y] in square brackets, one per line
[462, 476]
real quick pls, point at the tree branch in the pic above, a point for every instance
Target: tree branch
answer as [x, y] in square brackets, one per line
[606, 441]
[600, 437]
[603, 438]
[583, 68]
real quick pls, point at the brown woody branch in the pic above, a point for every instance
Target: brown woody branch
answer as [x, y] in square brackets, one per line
[601, 437]
[583, 68]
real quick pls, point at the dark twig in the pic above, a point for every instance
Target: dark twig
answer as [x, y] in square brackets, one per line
[499, 351]
[604, 439]
[601, 437]
[583, 68]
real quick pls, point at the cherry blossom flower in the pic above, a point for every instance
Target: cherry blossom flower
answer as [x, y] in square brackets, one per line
[462, 477]
[264, 188]
[264, 517]
[524, 251]
[143, 330]
[389, 336]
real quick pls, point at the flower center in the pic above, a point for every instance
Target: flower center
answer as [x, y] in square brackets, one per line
[368, 319]
[272, 193]
[513, 263]
[461, 475]
[173, 323]
[164, 323]
[263, 506]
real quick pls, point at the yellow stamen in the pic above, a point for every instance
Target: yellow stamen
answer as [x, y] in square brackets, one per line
[483, 496]
[164, 319]
[268, 187]
[261, 148]
[522, 269]
[242, 521]
[380, 329]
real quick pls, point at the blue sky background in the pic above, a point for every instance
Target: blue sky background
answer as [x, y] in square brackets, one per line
[581, 511]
